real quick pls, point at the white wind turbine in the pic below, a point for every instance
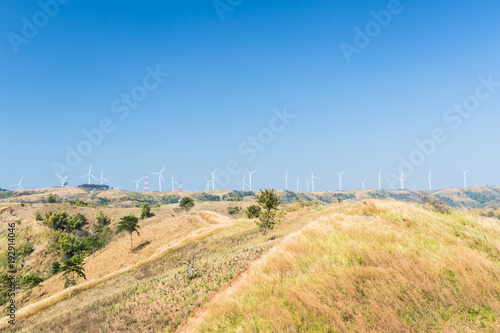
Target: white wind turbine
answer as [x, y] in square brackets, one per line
[213, 179]
[208, 183]
[312, 180]
[63, 180]
[340, 178]
[308, 182]
[380, 180]
[363, 184]
[102, 178]
[89, 174]
[402, 179]
[297, 184]
[250, 178]
[136, 184]
[243, 182]
[160, 177]
[465, 176]
[173, 182]
[286, 180]
[430, 180]
[19, 187]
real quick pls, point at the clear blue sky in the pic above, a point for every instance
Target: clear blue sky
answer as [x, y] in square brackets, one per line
[227, 76]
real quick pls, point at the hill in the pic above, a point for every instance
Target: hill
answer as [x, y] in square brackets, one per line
[365, 265]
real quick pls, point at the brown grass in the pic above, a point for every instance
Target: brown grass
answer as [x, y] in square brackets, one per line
[381, 266]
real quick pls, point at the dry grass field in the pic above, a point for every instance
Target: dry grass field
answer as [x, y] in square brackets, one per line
[375, 265]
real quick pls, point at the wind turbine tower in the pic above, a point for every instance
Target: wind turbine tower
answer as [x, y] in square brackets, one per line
[63, 180]
[208, 183]
[136, 184]
[465, 176]
[312, 180]
[340, 178]
[430, 180]
[19, 187]
[243, 183]
[160, 177]
[173, 182]
[250, 178]
[363, 184]
[380, 180]
[89, 174]
[213, 179]
[297, 184]
[402, 179]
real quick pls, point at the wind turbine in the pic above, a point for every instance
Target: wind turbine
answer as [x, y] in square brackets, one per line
[363, 184]
[172, 183]
[250, 178]
[89, 174]
[297, 184]
[430, 180]
[213, 179]
[102, 178]
[243, 182]
[63, 180]
[340, 178]
[380, 180]
[402, 179]
[160, 177]
[19, 187]
[208, 183]
[136, 184]
[286, 180]
[312, 180]
[308, 182]
[465, 176]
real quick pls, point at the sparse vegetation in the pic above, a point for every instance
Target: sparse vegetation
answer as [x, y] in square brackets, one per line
[51, 198]
[187, 203]
[129, 224]
[253, 211]
[233, 210]
[269, 201]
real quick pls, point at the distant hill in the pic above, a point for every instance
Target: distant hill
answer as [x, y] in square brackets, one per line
[470, 197]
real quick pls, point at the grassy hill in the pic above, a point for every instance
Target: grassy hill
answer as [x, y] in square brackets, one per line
[370, 265]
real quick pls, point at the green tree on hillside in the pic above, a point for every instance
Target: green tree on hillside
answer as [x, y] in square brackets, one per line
[73, 271]
[102, 220]
[186, 203]
[269, 201]
[145, 211]
[130, 224]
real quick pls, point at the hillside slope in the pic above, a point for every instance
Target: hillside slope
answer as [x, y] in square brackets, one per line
[379, 266]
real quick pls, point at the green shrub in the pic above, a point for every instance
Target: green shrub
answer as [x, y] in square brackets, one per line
[145, 211]
[56, 268]
[51, 198]
[76, 222]
[233, 210]
[186, 203]
[253, 211]
[102, 219]
[38, 216]
[30, 281]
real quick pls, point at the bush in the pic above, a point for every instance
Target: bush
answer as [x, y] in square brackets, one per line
[186, 203]
[76, 222]
[30, 281]
[71, 245]
[145, 211]
[79, 203]
[57, 220]
[233, 210]
[253, 211]
[102, 220]
[51, 198]
[56, 268]
[38, 216]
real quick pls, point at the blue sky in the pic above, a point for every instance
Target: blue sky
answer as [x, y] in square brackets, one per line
[228, 78]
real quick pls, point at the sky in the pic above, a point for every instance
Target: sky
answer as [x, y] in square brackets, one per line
[273, 86]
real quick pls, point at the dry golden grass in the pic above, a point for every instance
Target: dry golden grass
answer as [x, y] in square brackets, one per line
[381, 266]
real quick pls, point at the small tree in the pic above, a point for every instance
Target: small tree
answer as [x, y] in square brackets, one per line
[269, 201]
[253, 211]
[145, 211]
[186, 203]
[130, 224]
[339, 200]
[190, 264]
[51, 198]
[102, 220]
[73, 271]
